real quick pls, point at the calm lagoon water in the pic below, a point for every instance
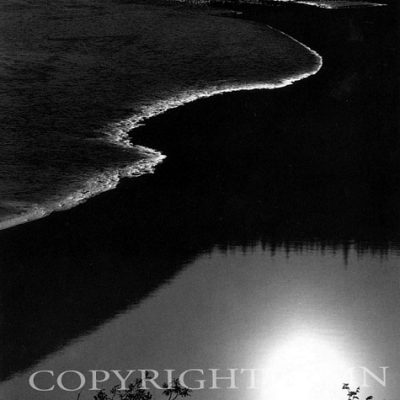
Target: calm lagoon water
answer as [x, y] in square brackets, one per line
[304, 317]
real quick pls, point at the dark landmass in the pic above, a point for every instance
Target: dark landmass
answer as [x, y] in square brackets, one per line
[315, 163]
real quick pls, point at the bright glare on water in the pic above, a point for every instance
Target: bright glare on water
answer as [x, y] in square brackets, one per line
[308, 321]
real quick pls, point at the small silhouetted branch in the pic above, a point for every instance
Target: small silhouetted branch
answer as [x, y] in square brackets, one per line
[135, 391]
[354, 394]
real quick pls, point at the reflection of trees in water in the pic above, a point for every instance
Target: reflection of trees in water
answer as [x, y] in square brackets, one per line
[294, 168]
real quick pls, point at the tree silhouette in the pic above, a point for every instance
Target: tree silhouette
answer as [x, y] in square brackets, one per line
[354, 394]
[175, 390]
[135, 391]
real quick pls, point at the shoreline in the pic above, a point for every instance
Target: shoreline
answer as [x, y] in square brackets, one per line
[123, 131]
[119, 133]
[248, 14]
[303, 164]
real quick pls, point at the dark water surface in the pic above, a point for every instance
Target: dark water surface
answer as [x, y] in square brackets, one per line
[268, 238]
[76, 76]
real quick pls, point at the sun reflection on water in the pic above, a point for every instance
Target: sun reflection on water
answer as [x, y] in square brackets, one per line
[304, 366]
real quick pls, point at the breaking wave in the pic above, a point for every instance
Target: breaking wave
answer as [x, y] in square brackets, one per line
[108, 180]
[338, 4]
[60, 159]
[119, 132]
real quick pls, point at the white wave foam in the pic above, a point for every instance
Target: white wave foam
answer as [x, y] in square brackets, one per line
[337, 4]
[92, 187]
[117, 133]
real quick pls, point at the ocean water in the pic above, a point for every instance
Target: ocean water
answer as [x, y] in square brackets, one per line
[77, 76]
[338, 4]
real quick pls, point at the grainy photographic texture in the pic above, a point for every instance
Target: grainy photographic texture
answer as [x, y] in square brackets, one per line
[199, 198]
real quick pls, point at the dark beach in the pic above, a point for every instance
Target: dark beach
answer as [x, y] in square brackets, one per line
[311, 164]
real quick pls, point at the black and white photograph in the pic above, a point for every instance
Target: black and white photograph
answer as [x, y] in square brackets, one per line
[199, 200]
